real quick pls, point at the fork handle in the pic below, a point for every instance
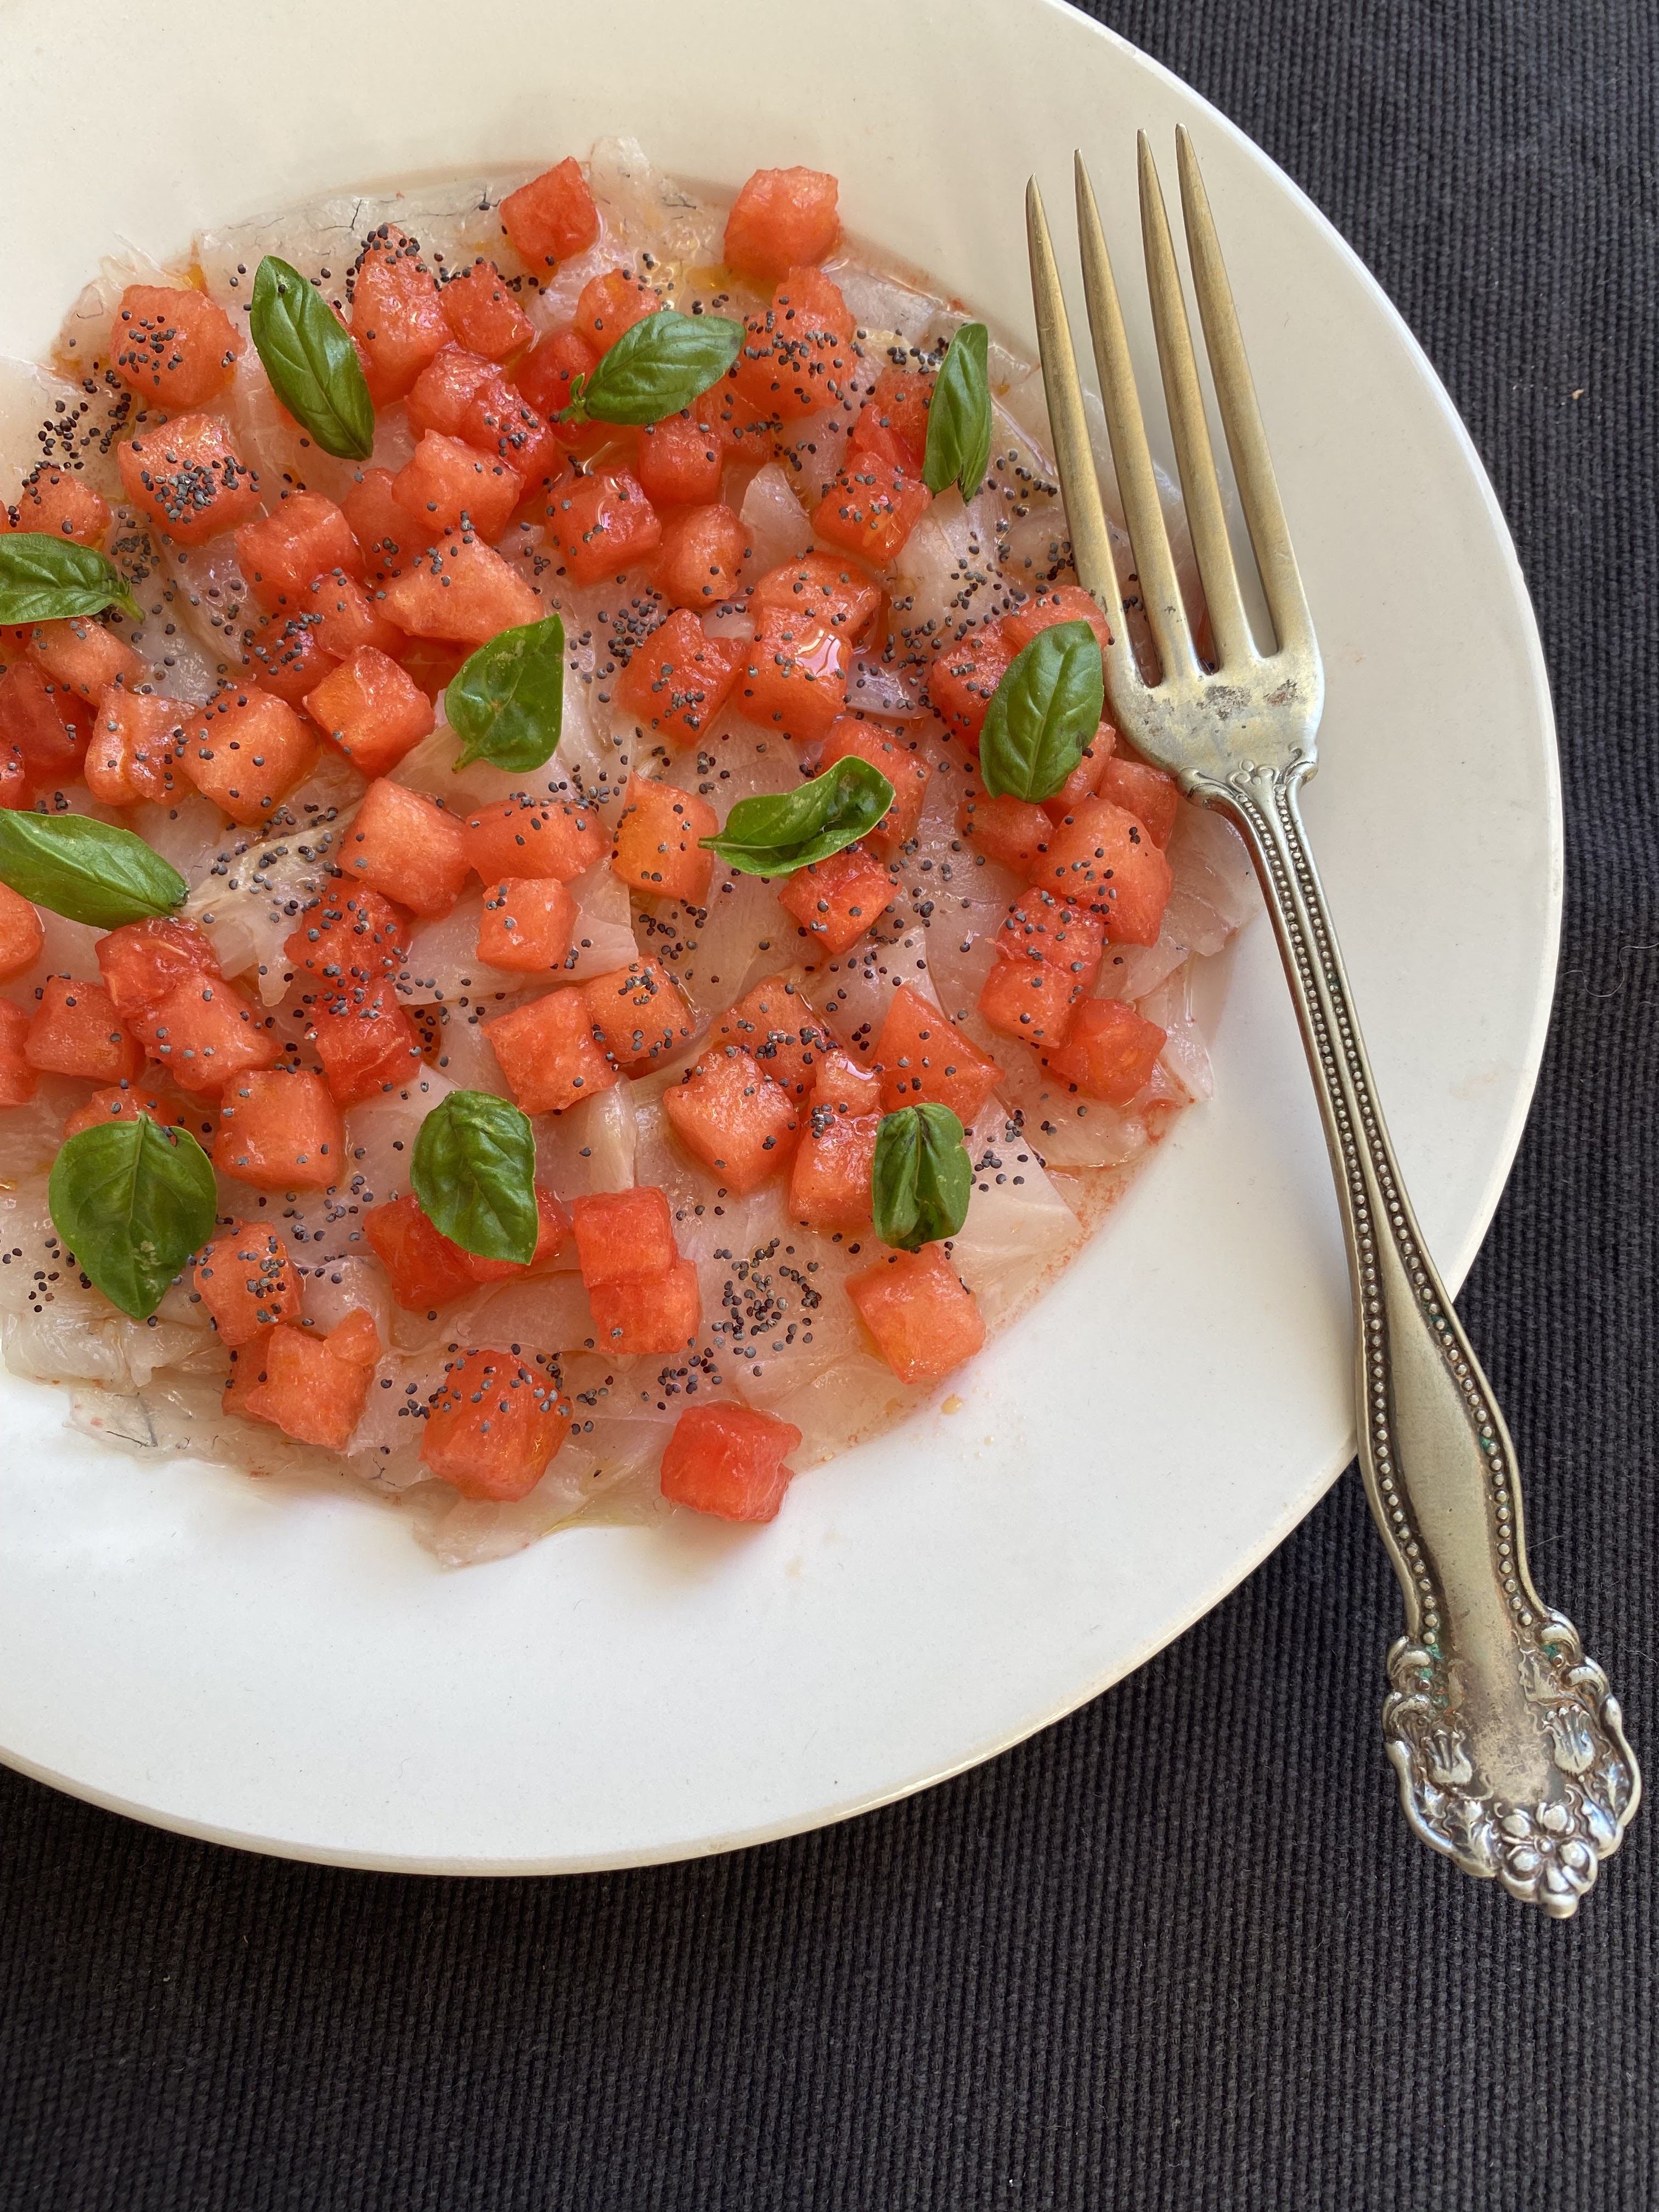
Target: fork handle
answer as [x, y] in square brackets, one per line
[1508, 1742]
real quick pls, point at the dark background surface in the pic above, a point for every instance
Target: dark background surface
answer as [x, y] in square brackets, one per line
[1178, 1952]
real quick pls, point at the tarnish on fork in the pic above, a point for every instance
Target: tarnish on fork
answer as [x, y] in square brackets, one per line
[1509, 1743]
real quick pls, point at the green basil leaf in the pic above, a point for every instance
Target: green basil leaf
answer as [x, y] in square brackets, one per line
[48, 578]
[660, 365]
[506, 703]
[311, 363]
[959, 418]
[474, 1173]
[1042, 714]
[85, 870]
[774, 837]
[922, 1177]
[131, 1201]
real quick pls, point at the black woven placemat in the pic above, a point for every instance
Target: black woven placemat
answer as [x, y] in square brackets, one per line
[1178, 1952]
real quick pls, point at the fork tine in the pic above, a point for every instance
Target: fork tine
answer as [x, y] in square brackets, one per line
[1086, 516]
[1241, 417]
[1184, 398]
[1160, 592]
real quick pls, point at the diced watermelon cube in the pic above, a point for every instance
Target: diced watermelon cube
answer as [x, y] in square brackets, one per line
[657, 841]
[1104, 858]
[350, 935]
[460, 590]
[397, 317]
[481, 311]
[1145, 791]
[1066, 602]
[640, 1015]
[777, 1028]
[286, 656]
[17, 1078]
[611, 303]
[1086, 779]
[134, 747]
[623, 1236]
[189, 478]
[305, 536]
[373, 711]
[77, 1032]
[548, 1054]
[681, 460]
[405, 847]
[553, 215]
[603, 523]
[1063, 935]
[740, 1124]
[892, 423]
[128, 1102]
[703, 557]
[502, 424]
[870, 509]
[796, 678]
[922, 1056]
[657, 1314]
[59, 505]
[247, 1282]
[245, 750]
[678, 680]
[963, 679]
[544, 380]
[366, 1043]
[922, 1317]
[494, 1423]
[553, 1230]
[447, 486]
[837, 900]
[143, 962]
[172, 345]
[22, 934]
[82, 656]
[426, 1270]
[1109, 1052]
[444, 391]
[315, 1387]
[527, 924]
[1029, 1000]
[797, 357]
[830, 1176]
[14, 776]
[524, 837]
[782, 219]
[34, 717]
[728, 1460]
[205, 1034]
[908, 771]
[346, 617]
[385, 537]
[280, 1129]
[1015, 831]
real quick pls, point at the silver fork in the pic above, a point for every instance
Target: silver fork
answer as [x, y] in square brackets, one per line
[1509, 1743]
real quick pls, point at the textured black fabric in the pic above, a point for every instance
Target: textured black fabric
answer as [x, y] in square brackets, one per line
[1179, 1952]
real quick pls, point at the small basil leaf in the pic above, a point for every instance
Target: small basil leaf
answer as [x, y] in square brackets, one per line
[131, 1201]
[311, 363]
[774, 837]
[47, 579]
[506, 703]
[85, 870]
[959, 418]
[921, 1178]
[474, 1173]
[660, 365]
[1042, 714]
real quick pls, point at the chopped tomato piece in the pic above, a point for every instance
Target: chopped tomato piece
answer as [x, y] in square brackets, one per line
[1111, 1052]
[623, 1236]
[405, 847]
[315, 1387]
[1152, 797]
[735, 1120]
[189, 478]
[657, 841]
[494, 1423]
[205, 1034]
[397, 316]
[1066, 602]
[728, 1459]
[1057, 932]
[448, 486]
[143, 962]
[553, 215]
[611, 304]
[921, 1315]
[701, 557]
[603, 523]
[870, 509]
[485, 318]
[829, 1177]
[134, 746]
[657, 1314]
[426, 1270]
[527, 924]
[908, 771]
[544, 380]
[59, 505]
[681, 461]
[1015, 831]
[460, 590]
[892, 423]
[80, 656]
[22, 934]
[963, 679]
[172, 346]
[796, 356]
[17, 1078]
[1028, 1000]
[366, 1043]
[246, 751]
[280, 1129]
[678, 680]
[797, 674]
[34, 718]
[524, 836]
[372, 710]
[286, 657]
[639, 1014]
[776, 1027]
[782, 219]
[835, 900]
[1104, 858]
[247, 1282]
[351, 935]
[553, 1228]
[306, 536]
[923, 1056]
[386, 537]
[77, 1032]
[548, 1053]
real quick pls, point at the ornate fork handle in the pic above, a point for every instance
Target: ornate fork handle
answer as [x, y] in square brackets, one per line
[1509, 1743]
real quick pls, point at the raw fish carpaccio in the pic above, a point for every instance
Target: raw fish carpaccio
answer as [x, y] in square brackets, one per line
[724, 529]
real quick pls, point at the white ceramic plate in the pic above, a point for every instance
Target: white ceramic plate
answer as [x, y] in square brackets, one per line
[293, 1673]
